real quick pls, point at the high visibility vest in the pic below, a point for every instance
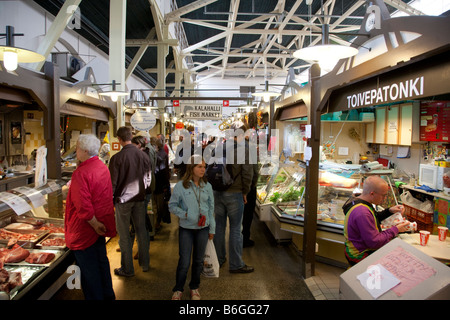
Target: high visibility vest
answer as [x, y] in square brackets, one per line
[352, 254]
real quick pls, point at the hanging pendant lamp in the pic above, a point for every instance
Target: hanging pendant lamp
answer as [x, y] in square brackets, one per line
[12, 56]
[266, 94]
[113, 94]
[327, 55]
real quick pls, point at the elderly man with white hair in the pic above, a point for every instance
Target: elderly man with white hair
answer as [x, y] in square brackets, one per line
[89, 218]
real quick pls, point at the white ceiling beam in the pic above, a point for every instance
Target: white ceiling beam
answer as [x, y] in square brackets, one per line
[210, 62]
[150, 42]
[139, 55]
[404, 7]
[202, 23]
[63, 17]
[234, 9]
[186, 9]
[204, 42]
[348, 13]
[172, 70]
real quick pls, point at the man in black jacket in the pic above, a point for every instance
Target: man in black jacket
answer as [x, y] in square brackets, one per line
[130, 171]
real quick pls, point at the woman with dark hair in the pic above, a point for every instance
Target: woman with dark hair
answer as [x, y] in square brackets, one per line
[193, 202]
[139, 142]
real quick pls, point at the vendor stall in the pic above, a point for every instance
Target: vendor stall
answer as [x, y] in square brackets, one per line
[33, 255]
[409, 68]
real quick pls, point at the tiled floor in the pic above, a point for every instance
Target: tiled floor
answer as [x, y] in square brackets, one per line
[277, 273]
[324, 285]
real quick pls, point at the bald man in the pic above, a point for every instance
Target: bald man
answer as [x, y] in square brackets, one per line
[362, 231]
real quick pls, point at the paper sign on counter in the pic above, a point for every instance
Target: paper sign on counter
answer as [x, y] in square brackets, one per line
[19, 205]
[409, 269]
[53, 185]
[36, 197]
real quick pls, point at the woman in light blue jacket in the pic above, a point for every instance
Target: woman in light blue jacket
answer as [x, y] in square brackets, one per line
[192, 201]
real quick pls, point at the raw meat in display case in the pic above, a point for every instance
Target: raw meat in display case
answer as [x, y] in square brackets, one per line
[9, 280]
[40, 257]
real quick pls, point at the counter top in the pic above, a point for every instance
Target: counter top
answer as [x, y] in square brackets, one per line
[439, 250]
[18, 176]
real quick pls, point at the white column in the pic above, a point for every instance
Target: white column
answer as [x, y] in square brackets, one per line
[117, 28]
[163, 51]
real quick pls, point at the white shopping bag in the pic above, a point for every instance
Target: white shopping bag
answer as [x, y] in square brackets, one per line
[210, 262]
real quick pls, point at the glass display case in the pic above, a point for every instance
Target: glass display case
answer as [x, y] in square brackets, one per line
[336, 184]
[33, 254]
[275, 183]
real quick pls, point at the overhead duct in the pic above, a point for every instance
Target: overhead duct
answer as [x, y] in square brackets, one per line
[246, 91]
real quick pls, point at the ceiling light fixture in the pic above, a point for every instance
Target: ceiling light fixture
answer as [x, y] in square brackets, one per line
[327, 55]
[113, 94]
[266, 94]
[12, 56]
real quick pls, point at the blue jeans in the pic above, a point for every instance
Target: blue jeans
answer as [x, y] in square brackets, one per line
[191, 241]
[135, 211]
[95, 273]
[231, 205]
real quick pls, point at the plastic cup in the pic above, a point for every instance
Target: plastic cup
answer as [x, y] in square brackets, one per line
[424, 236]
[442, 233]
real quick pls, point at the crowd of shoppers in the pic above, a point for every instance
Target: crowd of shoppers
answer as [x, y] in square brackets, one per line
[109, 198]
[106, 198]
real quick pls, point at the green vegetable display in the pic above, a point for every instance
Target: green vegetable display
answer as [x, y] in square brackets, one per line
[292, 195]
[280, 178]
[274, 198]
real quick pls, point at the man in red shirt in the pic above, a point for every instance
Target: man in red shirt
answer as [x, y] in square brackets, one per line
[89, 218]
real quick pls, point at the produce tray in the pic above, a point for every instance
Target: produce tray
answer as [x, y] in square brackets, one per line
[51, 236]
[27, 244]
[57, 254]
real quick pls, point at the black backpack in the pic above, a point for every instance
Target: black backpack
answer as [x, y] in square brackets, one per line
[220, 175]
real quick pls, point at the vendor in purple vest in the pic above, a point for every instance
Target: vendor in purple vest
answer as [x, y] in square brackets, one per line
[362, 231]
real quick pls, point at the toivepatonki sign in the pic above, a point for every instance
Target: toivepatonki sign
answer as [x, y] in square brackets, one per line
[427, 78]
[407, 89]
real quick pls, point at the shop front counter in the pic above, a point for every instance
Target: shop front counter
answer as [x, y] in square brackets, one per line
[330, 240]
[33, 256]
[16, 179]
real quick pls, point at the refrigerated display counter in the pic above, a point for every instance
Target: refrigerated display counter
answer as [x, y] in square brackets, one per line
[33, 256]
